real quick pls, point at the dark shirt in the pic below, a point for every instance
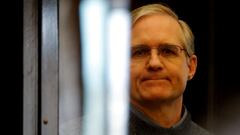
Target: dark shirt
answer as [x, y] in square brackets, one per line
[141, 125]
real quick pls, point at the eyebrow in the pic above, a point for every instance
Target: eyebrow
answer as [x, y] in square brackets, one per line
[147, 46]
[139, 46]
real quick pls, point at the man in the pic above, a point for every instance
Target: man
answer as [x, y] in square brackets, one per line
[162, 61]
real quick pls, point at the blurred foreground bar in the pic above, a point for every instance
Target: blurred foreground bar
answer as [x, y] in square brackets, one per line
[105, 35]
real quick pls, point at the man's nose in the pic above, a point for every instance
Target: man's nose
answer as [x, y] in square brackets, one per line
[154, 62]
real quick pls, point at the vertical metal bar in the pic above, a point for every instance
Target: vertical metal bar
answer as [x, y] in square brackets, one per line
[30, 68]
[50, 67]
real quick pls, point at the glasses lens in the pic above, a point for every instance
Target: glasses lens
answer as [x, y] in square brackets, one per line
[169, 51]
[140, 52]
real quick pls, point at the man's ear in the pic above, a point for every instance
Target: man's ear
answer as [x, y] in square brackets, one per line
[192, 66]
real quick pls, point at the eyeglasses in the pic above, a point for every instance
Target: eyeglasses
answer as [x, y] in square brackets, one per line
[166, 51]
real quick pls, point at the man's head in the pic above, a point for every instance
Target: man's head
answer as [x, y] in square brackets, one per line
[187, 37]
[162, 55]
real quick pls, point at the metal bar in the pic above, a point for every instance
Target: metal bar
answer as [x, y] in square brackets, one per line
[50, 68]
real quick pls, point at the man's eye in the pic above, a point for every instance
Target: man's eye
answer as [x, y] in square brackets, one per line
[140, 52]
[168, 52]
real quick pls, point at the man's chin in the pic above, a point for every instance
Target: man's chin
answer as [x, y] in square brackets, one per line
[154, 83]
[155, 96]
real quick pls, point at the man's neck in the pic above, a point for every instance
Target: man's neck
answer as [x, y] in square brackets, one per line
[165, 114]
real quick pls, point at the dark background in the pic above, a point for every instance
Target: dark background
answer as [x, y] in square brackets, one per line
[213, 96]
[11, 67]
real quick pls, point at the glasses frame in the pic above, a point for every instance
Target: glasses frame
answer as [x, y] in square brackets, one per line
[180, 48]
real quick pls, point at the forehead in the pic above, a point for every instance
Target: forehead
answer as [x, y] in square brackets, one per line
[161, 16]
[156, 28]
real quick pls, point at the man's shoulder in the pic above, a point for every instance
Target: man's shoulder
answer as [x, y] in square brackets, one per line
[195, 129]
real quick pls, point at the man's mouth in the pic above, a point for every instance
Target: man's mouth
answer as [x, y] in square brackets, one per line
[154, 78]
